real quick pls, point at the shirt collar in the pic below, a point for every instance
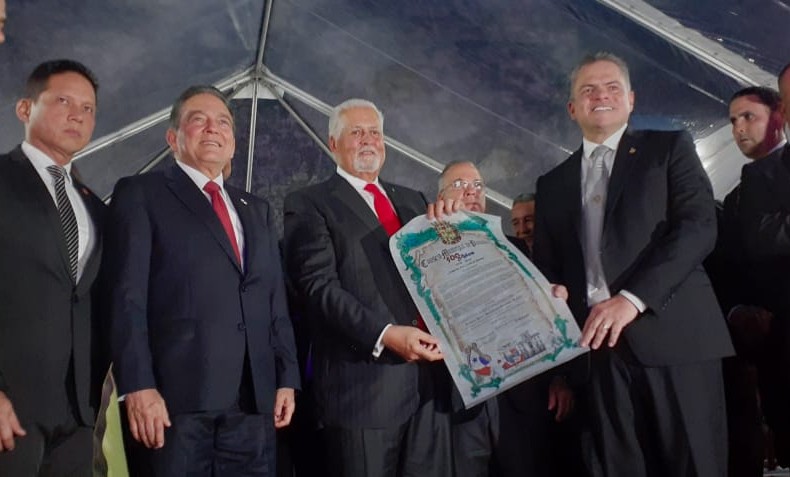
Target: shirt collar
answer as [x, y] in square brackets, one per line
[356, 182]
[611, 142]
[777, 147]
[198, 177]
[41, 161]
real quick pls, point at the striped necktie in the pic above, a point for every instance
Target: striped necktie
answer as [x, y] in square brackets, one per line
[67, 217]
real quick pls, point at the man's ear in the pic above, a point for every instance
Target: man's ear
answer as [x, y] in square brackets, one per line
[23, 107]
[172, 139]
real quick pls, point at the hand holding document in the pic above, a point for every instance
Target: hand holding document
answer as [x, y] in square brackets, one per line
[492, 311]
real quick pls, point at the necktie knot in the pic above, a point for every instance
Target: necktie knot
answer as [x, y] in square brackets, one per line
[58, 173]
[598, 154]
[211, 187]
[384, 212]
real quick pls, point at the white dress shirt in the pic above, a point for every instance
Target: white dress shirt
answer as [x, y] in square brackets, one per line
[86, 229]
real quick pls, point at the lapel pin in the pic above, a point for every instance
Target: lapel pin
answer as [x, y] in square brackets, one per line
[243, 201]
[84, 191]
[632, 150]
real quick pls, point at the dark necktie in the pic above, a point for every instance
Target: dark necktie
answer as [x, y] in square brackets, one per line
[386, 215]
[218, 203]
[67, 217]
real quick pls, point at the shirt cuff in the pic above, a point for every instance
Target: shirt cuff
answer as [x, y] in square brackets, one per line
[639, 304]
[379, 348]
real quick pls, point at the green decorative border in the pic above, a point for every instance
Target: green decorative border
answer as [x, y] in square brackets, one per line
[406, 242]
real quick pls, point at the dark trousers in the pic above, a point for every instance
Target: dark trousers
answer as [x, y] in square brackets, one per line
[744, 419]
[215, 443]
[656, 421]
[475, 432]
[50, 451]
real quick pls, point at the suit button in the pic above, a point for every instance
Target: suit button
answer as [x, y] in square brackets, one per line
[414, 322]
[243, 288]
[241, 326]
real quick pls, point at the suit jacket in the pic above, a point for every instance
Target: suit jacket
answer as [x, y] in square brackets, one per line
[46, 319]
[338, 259]
[764, 214]
[183, 312]
[659, 224]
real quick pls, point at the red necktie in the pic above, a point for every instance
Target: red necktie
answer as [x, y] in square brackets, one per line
[222, 213]
[387, 217]
[391, 224]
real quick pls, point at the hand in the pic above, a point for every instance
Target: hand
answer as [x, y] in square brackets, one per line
[284, 405]
[608, 318]
[147, 417]
[9, 425]
[560, 398]
[559, 291]
[444, 207]
[411, 343]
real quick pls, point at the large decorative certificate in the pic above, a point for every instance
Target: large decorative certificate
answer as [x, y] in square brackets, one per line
[490, 308]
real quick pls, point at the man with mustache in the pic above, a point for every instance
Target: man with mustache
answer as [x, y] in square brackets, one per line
[625, 223]
[373, 376]
[51, 367]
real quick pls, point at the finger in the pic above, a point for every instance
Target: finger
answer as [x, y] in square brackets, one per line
[159, 430]
[600, 336]
[614, 335]
[431, 213]
[16, 427]
[559, 291]
[133, 427]
[6, 437]
[149, 432]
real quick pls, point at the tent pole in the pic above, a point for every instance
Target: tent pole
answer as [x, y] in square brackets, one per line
[306, 127]
[253, 125]
[267, 15]
[153, 119]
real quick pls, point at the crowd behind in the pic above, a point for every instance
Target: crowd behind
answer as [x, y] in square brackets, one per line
[183, 285]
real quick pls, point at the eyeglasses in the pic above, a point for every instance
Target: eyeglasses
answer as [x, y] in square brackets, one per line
[463, 184]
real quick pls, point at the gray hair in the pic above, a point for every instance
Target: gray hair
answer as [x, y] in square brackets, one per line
[336, 123]
[594, 58]
[524, 198]
[449, 166]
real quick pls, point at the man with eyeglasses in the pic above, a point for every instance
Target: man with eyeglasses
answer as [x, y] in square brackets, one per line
[480, 433]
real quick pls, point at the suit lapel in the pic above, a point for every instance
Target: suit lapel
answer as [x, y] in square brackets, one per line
[625, 158]
[95, 214]
[343, 191]
[30, 181]
[574, 188]
[247, 223]
[782, 174]
[403, 211]
[188, 193]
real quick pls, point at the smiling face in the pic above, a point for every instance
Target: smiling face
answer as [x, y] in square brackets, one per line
[60, 121]
[359, 147]
[755, 128]
[204, 138]
[522, 216]
[601, 100]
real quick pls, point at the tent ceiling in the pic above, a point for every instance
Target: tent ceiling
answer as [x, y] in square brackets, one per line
[457, 79]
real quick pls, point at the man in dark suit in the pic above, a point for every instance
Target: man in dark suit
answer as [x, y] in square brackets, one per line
[625, 223]
[203, 349]
[757, 130]
[373, 386]
[513, 432]
[764, 214]
[50, 361]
